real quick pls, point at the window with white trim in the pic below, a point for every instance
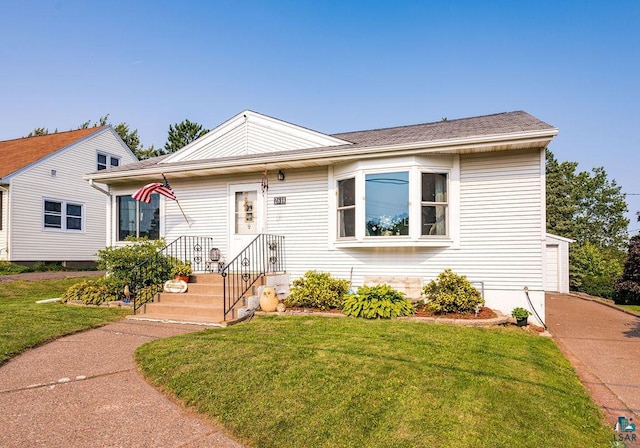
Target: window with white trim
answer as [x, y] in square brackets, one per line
[405, 202]
[433, 204]
[63, 215]
[107, 161]
[137, 218]
[347, 208]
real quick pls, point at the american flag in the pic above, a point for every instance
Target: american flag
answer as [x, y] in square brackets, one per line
[144, 193]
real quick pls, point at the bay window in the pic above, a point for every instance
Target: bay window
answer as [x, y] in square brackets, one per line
[403, 203]
[137, 218]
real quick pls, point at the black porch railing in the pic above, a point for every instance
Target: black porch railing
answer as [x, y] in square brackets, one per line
[148, 277]
[264, 255]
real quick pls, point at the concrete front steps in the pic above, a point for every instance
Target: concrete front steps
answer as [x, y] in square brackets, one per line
[201, 304]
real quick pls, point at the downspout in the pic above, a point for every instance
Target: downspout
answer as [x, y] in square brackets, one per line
[8, 208]
[109, 210]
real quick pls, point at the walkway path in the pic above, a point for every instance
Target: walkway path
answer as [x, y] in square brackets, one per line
[84, 390]
[603, 344]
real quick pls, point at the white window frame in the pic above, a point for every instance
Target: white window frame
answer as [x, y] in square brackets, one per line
[137, 235]
[63, 215]
[109, 158]
[415, 166]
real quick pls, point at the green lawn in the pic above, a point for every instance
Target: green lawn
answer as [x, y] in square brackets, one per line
[635, 308]
[24, 324]
[337, 382]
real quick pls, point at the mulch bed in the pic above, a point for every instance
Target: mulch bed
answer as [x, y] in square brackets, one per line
[484, 313]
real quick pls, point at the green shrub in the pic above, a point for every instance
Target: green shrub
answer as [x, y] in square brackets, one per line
[121, 263]
[379, 301]
[520, 313]
[6, 267]
[94, 291]
[317, 290]
[451, 293]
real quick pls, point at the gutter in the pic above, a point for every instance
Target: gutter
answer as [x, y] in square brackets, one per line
[101, 190]
[328, 156]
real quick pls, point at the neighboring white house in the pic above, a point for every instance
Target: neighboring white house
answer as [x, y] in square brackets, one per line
[466, 194]
[48, 213]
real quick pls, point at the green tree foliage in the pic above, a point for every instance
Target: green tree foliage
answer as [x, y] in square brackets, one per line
[594, 270]
[628, 285]
[39, 131]
[183, 133]
[585, 206]
[588, 207]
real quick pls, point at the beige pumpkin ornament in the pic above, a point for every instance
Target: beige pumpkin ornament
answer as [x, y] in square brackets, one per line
[268, 300]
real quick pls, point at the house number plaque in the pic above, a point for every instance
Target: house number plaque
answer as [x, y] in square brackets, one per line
[279, 200]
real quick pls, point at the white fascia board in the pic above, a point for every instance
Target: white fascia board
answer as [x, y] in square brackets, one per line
[551, 236]
[330, 156]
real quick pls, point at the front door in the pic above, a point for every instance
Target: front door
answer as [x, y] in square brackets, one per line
[246, 216]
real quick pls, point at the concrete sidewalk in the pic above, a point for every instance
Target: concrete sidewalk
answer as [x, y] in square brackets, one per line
[84, 390]
[603, 344]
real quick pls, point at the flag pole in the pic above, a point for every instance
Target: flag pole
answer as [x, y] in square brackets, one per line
[166, 182]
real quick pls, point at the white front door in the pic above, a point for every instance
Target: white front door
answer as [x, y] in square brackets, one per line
[246, 218]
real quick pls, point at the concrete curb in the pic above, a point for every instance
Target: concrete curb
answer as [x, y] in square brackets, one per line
[605, 302]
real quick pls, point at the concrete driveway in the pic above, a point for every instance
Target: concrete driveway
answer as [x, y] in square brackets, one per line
[603, 344]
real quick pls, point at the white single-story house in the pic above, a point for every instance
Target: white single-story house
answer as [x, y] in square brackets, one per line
[48, 212]
[409, 201]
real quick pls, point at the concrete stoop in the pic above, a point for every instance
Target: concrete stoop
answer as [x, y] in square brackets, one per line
[202, 304]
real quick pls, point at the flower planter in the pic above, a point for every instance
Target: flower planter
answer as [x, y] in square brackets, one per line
[522, 322]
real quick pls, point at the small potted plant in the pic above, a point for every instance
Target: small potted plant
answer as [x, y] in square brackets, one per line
[521, 315]
[181, 272]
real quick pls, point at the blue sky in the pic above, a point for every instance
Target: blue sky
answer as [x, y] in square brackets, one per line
[331, 66]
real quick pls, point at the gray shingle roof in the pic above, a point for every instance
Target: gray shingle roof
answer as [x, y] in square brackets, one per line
[503, 123]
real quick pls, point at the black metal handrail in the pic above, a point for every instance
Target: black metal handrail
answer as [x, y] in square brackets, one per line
[148, 277]
[264, 255]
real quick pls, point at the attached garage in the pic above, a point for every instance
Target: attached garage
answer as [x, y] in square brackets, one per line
[557, 263]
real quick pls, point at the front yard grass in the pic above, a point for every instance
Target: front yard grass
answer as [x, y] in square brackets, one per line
[635, 308]
[335, 382]
[25, 324]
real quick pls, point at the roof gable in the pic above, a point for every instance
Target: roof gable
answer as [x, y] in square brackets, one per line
[251, 133]
[20, 153]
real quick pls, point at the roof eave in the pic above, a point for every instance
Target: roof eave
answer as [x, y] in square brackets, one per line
[327, 156]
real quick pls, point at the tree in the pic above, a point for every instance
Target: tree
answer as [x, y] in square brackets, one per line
[585, 206]
[628, 285]
[589, 208]
[129, 137]
[38, 131]
[181, 134]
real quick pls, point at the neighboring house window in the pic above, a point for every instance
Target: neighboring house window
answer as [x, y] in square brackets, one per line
[387, 204]
[347, 208]
[138, 219]
[434, 204]
[107, 161]
[63, 215]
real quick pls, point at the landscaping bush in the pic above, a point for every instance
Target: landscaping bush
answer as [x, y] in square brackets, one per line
[120, 262]
[94, 291]
[6, 267]
[379, 301]
[628, 285]
[451, 293]
[317, 290]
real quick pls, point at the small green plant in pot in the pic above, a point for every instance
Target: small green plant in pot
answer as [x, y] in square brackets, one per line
[520, 314]
[181, 271]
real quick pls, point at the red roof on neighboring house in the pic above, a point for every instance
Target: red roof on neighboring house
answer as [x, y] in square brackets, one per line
[19, 153]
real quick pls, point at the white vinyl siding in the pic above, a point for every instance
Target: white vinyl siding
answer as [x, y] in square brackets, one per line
[60, 176]
[4, 228]
[495, 199]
